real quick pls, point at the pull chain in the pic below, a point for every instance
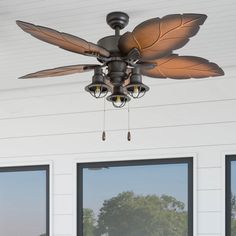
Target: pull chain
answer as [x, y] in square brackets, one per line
[104, 121]
[128, 134]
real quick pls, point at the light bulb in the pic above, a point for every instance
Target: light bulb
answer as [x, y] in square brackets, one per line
[118, 101]
[135, 91]
[97, 91]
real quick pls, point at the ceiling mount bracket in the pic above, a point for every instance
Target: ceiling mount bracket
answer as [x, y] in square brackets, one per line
[117, 19]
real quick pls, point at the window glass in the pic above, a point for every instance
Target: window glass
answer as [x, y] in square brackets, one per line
[24, 201]
[136, 199]
[233, 197]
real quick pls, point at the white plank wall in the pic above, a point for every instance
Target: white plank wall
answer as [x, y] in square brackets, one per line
[55, 121]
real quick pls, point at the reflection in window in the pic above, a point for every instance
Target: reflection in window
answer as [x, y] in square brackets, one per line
[136, 198]
[231, 196]
[24, 201]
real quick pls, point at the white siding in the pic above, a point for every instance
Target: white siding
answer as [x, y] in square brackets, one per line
[54, 121]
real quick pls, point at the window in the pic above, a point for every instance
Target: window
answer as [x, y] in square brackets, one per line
[231, 195]
[24, 201]
[136, 198]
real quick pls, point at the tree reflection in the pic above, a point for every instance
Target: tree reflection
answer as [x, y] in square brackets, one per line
[233, 214]
[128, 214]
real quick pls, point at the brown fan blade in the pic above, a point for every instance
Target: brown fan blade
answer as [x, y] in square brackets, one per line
[156, 38]
[59, 71]
[183, 67]
[63, 40]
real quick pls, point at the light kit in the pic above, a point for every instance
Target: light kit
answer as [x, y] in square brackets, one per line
[98, 88]
[136, 88]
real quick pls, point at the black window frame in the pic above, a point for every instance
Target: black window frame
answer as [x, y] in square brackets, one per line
[229, 159]
[81, 166]
[35, 168]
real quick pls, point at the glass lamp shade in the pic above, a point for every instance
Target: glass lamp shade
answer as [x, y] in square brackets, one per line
[97, 90]
[136, 88]
[118, 97]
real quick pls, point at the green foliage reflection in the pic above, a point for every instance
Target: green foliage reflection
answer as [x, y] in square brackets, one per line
[233, 214]
[128, 214]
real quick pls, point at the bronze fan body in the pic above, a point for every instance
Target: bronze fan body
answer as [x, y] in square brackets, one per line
[147, 50]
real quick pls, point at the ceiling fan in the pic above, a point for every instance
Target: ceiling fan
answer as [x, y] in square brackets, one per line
[147, 50]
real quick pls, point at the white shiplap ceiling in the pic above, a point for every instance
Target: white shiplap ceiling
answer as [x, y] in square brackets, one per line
[21, 54]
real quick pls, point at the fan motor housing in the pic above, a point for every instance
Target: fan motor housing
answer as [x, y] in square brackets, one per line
[110, 43]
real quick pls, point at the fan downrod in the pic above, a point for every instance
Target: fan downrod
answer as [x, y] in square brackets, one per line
[117, 19]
